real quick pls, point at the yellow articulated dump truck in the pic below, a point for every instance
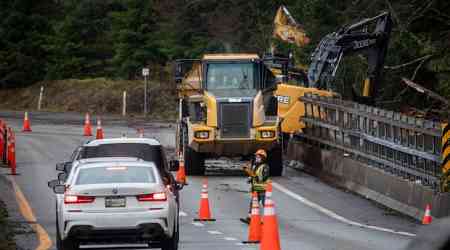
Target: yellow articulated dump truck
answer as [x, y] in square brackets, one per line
[227, 108]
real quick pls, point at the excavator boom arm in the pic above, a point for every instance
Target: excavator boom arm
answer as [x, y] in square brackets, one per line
[355, 38]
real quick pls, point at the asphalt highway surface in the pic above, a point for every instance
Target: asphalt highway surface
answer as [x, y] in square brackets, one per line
[311, 214]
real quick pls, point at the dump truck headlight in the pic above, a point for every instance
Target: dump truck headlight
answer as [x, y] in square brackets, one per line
[202, 134]
[267, 134]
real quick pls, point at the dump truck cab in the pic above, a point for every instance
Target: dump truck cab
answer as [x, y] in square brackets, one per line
[227, 108]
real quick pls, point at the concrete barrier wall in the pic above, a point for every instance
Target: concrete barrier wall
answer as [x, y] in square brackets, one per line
[402, 195]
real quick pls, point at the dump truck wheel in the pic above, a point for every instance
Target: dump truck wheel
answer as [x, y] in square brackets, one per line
[275, 160]
[194, 162]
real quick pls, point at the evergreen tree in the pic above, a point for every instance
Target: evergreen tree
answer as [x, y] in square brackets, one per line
[135, 42]
[24, 28]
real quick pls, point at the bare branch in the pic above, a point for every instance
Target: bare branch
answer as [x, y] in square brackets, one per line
[417, 68]
[423, 58]
[419, 12]
[400, 24]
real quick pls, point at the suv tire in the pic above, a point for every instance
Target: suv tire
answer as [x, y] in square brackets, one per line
[67, 244]
[171, 243]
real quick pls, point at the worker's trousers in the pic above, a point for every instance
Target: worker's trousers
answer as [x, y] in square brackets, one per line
[261, 199]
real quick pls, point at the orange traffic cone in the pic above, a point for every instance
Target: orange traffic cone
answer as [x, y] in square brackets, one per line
[254, 231]
[11, 151]
[12, 163]
[4, 135]
[141, 133]
[26, 123]
[2, 142]
[270, 235]
[99, 134]
[181, 173]
[204, 212]
[8, 147]
[87, 126]
[427, 216]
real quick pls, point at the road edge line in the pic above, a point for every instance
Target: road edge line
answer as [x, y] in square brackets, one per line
[332, 214]
[44, 239]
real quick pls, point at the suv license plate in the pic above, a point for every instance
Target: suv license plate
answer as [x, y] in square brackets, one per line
[115, 202]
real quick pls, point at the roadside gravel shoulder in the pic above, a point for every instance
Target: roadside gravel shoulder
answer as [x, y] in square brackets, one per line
[15, 232]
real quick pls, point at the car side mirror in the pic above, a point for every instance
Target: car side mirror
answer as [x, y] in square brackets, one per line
[59, 189]
[174, 165]
[51, 184]
[67, 167]
[62, 177]
[60, 166]
[63, 166]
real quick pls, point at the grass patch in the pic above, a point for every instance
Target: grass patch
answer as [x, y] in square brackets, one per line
[6, 232]
[97, 96]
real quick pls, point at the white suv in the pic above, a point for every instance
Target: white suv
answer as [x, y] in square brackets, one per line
[116, 202]
[147, 149]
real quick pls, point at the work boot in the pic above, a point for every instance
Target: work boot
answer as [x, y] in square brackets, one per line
[245, 220]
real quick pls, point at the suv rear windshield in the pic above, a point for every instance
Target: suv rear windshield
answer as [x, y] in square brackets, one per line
[139, 150]
[115, 174]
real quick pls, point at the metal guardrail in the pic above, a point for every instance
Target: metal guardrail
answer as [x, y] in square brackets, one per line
[405, 146]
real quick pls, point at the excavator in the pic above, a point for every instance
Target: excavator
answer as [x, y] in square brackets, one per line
[368, 38]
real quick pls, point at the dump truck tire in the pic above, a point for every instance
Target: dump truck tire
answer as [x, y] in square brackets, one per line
[194, 162]
[275, 160]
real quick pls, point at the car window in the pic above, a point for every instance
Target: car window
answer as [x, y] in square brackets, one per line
[140, 150]
[115, 174]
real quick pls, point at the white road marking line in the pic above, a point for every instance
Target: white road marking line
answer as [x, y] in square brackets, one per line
[230, 238]
[183, 214]
[104, 246]
[215, 232]
[333, 214]
[198, 224]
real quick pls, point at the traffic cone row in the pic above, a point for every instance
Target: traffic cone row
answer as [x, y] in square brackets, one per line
[204, 213]
[265, 232]
[87, 128]
[427, 216]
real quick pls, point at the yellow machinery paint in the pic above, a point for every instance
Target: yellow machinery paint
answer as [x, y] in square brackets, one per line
[291, 109]
[211, 109]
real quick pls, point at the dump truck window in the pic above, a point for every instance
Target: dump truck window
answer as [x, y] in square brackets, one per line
[230, 76]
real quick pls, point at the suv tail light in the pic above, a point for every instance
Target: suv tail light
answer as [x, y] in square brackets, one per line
[152, 197]
[78, 199]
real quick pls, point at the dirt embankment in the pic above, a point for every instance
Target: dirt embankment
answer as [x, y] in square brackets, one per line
[99, 96]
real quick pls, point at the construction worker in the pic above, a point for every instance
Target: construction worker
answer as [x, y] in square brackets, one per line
[258, 174]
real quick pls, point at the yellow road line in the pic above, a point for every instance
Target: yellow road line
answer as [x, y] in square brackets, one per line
[44, 239]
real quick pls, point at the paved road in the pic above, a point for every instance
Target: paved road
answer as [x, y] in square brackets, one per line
[301, 227]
